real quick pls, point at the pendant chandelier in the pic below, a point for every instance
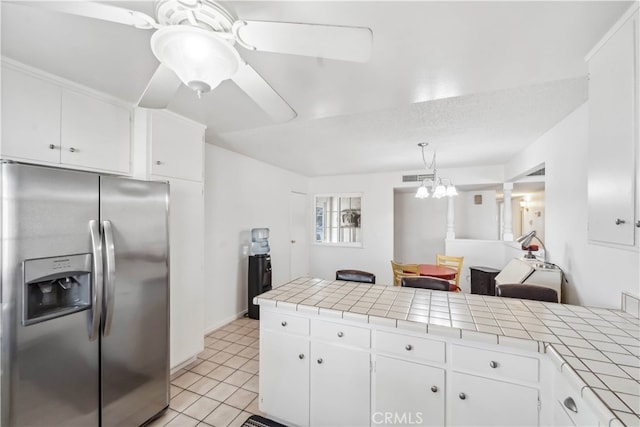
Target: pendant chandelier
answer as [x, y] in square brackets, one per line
[440, 187]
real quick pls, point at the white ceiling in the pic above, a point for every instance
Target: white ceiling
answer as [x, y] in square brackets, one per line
[478, 80]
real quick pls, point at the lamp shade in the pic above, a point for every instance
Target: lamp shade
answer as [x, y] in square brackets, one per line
[422, 192]
[439, 191]
[200, 58]
[526, 239]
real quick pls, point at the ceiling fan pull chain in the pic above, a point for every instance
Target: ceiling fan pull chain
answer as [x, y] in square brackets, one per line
[235, 29]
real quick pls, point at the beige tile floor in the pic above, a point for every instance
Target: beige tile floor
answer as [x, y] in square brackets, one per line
[220, 388]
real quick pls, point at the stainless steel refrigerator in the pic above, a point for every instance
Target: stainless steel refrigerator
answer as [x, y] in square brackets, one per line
[85, 298]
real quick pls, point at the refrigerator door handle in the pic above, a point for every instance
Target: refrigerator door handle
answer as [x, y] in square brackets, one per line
[110, 276]
[96, 284]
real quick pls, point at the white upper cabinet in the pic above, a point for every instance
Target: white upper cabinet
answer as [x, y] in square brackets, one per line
[94, 134]
[30, 117]
[47, 120]
[177, 146]
[613, 135]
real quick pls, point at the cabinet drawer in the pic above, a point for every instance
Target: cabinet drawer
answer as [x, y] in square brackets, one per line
[410, 346]
[341, 334]
[495, 364]
[284, 322]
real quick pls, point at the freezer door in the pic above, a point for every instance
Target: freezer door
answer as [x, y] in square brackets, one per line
[50, 368]
[135, 343]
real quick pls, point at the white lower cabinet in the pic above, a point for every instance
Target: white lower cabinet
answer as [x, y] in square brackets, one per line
[317, 371]
[407, 393]
[284, 376]
[340, 384]
[486, 402]
[321, 381]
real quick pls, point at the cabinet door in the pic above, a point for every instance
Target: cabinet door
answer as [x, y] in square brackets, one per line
[186, 222]
[94, 134]
[407, 393]
[284, 376]
[340, 386]
[177, 146]
[612, 121]
[30, 117]
[484, 402]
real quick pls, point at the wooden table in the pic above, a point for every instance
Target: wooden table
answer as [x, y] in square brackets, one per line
[436, 271]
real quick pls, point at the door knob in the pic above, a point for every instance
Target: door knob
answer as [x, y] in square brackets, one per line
[72, 150]
[52, 147]
[620, 221]
[293, 241]
[434, 388]
[462, 396]
[301, 356]
[284, 323]
[493, 364]
[340, 334]
[408, 347]
[158, 162]
[638, 223]
[320, 361]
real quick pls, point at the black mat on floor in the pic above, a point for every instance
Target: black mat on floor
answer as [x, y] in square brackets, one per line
[258, 421]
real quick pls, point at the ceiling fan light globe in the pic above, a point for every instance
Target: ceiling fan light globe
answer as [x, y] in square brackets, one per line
[201, 59]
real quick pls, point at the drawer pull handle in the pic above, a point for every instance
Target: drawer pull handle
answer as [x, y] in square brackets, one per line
[434, 388]
[462, 396]
[570, 404]
[72, 150]
[320, 361]
[408, 347]
[620, 221]
[52, 147]
[284, 324]
[158, 162]
[301, 356]
[340, 334]
[493, 364]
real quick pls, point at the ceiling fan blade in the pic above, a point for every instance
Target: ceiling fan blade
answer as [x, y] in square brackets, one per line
[259, 90]
[321, 41]
[100, 11]
[161, 88]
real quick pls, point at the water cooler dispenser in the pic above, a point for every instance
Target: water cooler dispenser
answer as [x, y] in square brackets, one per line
[259, 279]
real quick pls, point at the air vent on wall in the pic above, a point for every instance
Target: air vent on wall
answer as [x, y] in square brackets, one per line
[417, 178]
[539, 172]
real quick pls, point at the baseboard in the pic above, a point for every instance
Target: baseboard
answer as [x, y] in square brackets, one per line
[223, 322]
[183, 364]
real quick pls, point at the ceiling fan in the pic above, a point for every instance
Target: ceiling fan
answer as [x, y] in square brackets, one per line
[194, 42]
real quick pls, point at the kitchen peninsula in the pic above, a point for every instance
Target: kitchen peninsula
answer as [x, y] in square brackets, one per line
[345, 353]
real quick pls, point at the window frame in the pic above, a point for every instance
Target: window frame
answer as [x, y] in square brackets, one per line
[358, 244]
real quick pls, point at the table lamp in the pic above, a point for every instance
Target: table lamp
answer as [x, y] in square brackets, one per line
[525, 241]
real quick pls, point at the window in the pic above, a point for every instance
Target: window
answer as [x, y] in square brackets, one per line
[338, 219]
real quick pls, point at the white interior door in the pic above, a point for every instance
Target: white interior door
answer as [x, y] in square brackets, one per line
[299, 236]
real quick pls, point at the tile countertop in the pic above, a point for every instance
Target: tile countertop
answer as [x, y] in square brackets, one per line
[602, 346]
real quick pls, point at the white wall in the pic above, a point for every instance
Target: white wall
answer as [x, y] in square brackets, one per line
[377, 227]
[597, 274]
[476, 221]
[240, 194]
[420, 227]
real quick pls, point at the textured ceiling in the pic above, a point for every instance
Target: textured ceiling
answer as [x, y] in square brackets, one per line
[478, 80]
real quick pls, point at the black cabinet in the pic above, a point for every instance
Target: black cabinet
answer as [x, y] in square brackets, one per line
[483, 280]
[259, 281]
